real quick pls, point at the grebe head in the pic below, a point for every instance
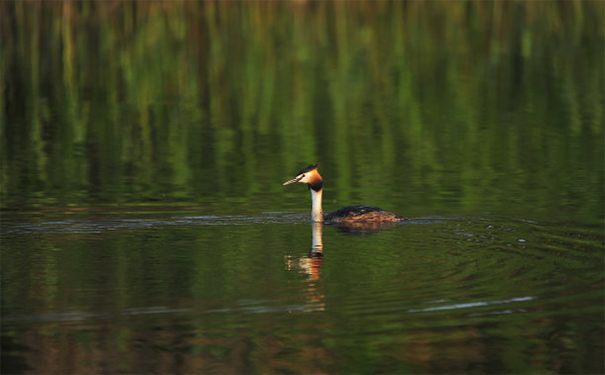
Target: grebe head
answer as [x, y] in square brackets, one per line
[309, 176]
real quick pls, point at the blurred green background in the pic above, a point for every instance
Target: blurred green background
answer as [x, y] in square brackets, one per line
[419, 107]
[490, 110]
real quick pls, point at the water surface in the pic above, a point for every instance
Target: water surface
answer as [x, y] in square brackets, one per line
[144, 227]
[182, 293]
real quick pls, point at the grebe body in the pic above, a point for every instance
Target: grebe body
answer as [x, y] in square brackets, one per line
[345, 215]
[356, 214]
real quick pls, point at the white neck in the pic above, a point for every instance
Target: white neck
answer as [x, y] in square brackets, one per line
[317, 214]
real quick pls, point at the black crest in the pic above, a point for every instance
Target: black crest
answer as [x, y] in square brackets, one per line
[308, 169]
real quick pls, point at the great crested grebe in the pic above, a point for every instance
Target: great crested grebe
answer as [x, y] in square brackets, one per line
[345, 215]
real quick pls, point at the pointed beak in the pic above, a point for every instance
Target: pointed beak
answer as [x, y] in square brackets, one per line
[295, 179]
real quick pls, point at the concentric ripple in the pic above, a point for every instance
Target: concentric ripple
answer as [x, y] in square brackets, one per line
[434, 294]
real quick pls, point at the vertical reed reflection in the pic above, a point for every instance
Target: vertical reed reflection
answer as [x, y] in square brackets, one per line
[472, 105]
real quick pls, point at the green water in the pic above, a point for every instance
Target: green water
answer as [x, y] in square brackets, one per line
[145, 228]
[240, 294]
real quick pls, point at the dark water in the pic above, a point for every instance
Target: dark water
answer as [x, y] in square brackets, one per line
[183, 293]
[145, 228]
